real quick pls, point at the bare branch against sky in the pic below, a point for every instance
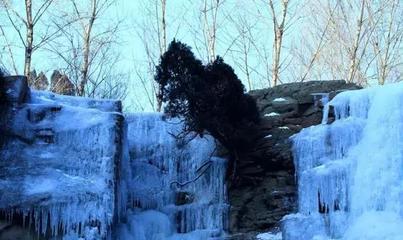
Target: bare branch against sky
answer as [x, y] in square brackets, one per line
[110, 48]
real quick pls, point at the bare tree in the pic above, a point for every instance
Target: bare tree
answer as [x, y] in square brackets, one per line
[357, 41]
[308, 61]
[29, 22]
[278, 30]
[244, 44]
[387, 38]
[210, 12]
[87, 49]
[9, 48]
[153, 30]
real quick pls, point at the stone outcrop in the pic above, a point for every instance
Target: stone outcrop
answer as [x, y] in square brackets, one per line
[267, 190]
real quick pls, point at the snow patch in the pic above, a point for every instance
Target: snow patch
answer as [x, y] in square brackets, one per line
[272, 114]
[279, 100]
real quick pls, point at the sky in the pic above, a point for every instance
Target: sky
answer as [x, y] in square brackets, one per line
[184, 24]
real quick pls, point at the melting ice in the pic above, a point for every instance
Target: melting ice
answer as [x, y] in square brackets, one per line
[350, 172]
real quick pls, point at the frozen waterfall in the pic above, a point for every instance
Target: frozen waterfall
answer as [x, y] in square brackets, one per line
[76, 168]
[175, 189]
[350, 172]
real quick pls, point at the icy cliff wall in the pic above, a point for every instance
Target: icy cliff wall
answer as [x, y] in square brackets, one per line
[59, 160]
[175, 188]
[76, 168]
[350, 172]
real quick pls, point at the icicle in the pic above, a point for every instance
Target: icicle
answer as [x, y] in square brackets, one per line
[163, 167]
[350, 172]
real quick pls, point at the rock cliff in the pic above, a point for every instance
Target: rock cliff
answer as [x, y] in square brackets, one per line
[266, 190]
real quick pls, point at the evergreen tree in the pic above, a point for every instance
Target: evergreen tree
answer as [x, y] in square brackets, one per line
[211, 99]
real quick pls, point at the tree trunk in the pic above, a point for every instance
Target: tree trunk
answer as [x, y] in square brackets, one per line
[87, 49]
[164, 27]
[29, 38]
[278, 39]
[276, 56]
[353, 56]
[163, 48]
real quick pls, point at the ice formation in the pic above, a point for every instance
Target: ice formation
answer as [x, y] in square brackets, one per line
[269, 236]
[350, 172]
[76, 168]
[58, 168]
[175, 188]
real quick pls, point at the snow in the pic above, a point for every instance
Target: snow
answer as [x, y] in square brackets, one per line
[352, 169]
[279, 100]
[268, 136]
[283, 127]
[272, 114]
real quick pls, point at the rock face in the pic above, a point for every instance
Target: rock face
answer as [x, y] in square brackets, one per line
[59, 159]
[267, 190]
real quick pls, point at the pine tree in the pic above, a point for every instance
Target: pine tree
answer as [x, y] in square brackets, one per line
[211, 99]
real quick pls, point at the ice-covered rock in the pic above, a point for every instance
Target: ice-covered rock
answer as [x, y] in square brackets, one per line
[74, 168]
[59, 162]
[163, 168]
[350, 172]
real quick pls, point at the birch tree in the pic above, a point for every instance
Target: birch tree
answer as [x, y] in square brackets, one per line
[357, 41]
[152, 30]
[209, 13]
[279, 27]
[25, 25]
[87, 51]
[387, 39]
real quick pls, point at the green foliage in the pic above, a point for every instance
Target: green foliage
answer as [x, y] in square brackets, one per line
[209, 98]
